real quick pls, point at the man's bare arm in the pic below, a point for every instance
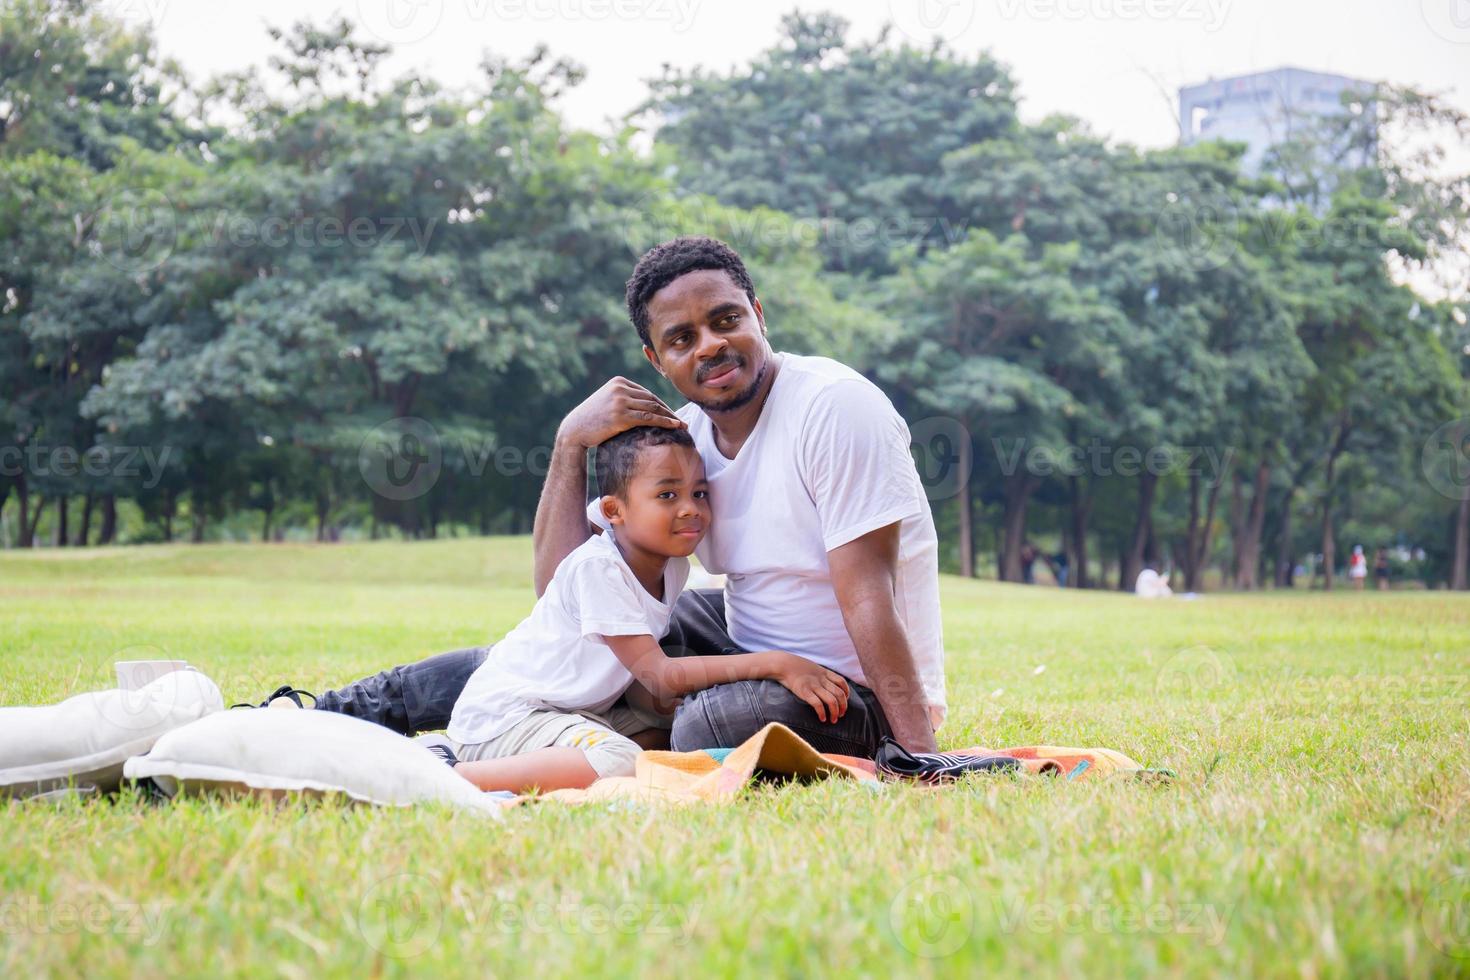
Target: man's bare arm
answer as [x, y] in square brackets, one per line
[561, 514]
[864, 572]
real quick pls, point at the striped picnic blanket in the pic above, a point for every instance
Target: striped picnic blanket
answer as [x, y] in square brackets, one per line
[693, 777]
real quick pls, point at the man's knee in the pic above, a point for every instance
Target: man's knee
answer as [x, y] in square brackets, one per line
[725, 715]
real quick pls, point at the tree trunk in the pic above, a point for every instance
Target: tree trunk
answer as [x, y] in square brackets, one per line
[1143, 523]
[1329, 540]
[323, 511]
[1237, 526]
[109, 520]
[966, 504]
[23, 519]
[1460, 564]
[1200, 549]
[1248, 554]
[170, 504]
[1018, 494]
[265, 526]
[1081, 512]
[61, 540]
[1285, 560]
[1191, 533]
[85, 531]
[35, 519]
[196, 535]
[1329, 550]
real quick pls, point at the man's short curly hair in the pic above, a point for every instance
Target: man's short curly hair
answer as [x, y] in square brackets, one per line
[664, 263]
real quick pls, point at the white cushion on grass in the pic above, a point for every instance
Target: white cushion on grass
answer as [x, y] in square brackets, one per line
[303, 751]
[85, 739]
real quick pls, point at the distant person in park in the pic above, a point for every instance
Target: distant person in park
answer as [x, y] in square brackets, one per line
[1357, 567]
[1029, 554]
[1151, 585]
[820, 523]
[1380, 569]
[1059, 564]
[542, 710]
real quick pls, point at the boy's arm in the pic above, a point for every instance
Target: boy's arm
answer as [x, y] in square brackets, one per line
[671, 677]
[641, 697]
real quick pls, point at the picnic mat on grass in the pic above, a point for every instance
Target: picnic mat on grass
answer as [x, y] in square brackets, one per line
[693, 777]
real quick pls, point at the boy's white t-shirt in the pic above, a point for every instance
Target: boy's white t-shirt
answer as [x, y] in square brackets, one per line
[556, 658]
[827, 462]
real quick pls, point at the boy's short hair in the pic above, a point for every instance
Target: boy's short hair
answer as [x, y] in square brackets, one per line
[617, 458]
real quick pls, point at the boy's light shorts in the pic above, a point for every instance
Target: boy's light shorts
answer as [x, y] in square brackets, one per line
[602, 738]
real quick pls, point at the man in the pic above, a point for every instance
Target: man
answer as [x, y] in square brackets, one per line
[820, 524]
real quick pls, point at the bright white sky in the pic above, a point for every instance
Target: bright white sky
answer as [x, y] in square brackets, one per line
[1115, 63]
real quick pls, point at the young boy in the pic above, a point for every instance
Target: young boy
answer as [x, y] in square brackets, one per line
[541, 710]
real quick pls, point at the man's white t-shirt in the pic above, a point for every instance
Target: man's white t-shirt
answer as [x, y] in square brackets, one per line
[827, 462]
[557, 658]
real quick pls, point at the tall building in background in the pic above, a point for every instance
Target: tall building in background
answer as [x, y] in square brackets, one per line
[1266, 108]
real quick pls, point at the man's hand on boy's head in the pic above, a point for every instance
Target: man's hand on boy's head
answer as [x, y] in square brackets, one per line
[619, 405]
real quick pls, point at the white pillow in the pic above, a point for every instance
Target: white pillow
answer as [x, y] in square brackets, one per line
[85, 739]
[317, 752]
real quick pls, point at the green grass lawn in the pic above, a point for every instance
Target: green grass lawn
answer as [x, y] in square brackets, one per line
[1319, 824]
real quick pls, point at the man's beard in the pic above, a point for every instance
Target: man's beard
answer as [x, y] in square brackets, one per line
[743, 398]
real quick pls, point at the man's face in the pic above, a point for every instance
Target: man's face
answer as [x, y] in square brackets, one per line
[708, 339]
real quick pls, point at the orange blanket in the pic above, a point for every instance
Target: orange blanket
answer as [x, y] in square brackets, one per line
[693, 777]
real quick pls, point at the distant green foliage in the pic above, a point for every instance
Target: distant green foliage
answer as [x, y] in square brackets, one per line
[252, 302]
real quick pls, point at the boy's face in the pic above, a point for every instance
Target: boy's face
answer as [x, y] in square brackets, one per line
[666, 510]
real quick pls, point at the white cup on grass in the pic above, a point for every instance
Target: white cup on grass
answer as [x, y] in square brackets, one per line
[134, 674]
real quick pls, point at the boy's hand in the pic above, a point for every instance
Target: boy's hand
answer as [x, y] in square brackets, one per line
[825, 690]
